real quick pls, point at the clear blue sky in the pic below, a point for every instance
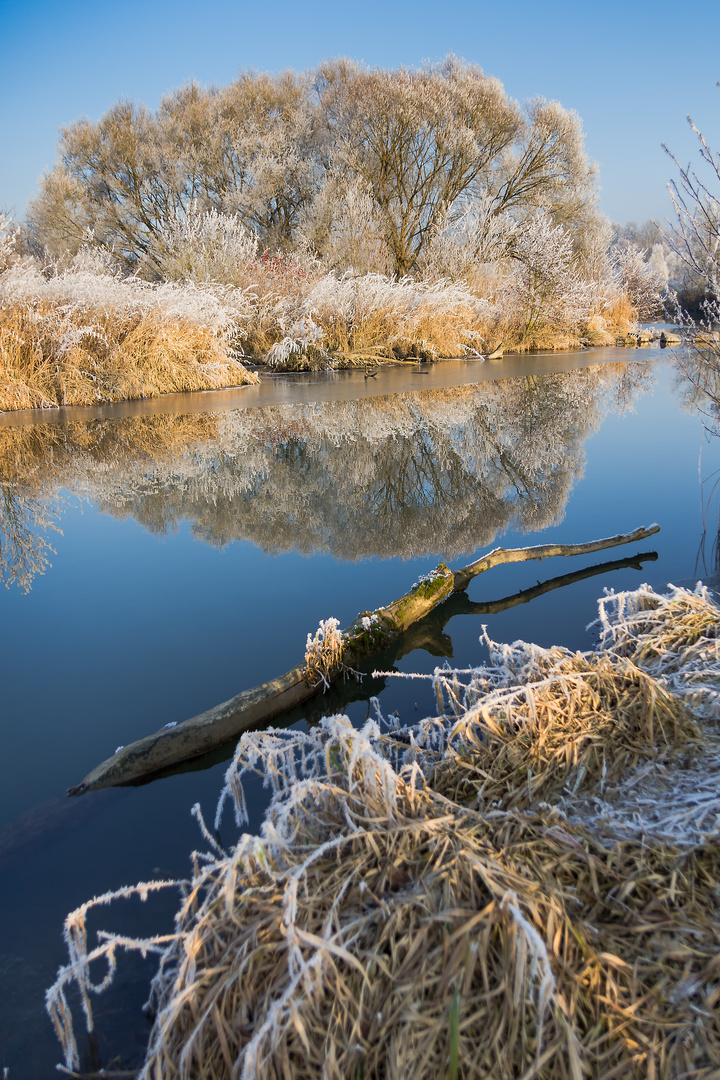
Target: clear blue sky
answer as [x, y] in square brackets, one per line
[633, 70]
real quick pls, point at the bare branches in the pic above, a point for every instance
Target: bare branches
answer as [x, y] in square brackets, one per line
[695, 238]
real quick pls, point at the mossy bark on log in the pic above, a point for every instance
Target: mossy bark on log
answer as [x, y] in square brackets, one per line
[370, 633]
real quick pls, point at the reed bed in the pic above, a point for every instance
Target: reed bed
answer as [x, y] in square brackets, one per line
[378, 927]
[81, 337]
[85, 334]
[338, 319]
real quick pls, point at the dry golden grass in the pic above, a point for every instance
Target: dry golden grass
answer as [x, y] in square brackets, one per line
[84, 335]
[39, 454]
[442, 944]
[586, 723]
[402, 318]
[619, 314]
[54, 355]
[378, 928]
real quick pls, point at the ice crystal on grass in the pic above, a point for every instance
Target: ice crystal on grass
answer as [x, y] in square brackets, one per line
[379, 920]
[324, 652]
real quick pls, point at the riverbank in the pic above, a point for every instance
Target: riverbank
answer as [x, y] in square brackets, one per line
[512, 886]
[82, 336]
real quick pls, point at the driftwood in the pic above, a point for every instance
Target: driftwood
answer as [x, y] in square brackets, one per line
[369, 634]
[428, 635]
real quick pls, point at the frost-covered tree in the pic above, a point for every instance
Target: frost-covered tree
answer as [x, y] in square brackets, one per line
[296, 157]
[204, 246]
[343, 225]
[547, 287]
[113, 186]
[642, 280]
[422, 140]
[8, 241]
[246, 149]
[465, 242]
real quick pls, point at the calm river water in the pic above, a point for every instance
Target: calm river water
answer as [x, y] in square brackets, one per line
[162, 556]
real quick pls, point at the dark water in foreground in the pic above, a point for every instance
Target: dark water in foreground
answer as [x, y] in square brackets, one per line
[202, 538]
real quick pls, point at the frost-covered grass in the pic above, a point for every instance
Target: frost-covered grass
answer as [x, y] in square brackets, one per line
[83, 336]
[334, 319]
[415, 904]
[300, 313]
[300, 317]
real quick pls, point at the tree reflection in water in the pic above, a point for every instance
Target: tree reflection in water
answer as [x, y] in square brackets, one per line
[441, 471]
[698, 386]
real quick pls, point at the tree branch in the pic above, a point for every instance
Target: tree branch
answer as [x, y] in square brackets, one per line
[369, 634]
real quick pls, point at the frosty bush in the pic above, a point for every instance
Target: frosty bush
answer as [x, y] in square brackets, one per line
[8, 240]
[546, 287]
[642, 281]
[462, 244]
[204, 247]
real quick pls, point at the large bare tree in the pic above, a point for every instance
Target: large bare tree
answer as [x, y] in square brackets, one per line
[424, 142]
[294, 155]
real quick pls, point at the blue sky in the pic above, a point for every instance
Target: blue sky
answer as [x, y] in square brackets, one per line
[633, 70]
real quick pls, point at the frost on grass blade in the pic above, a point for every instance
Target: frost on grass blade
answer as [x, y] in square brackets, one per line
[403, 871]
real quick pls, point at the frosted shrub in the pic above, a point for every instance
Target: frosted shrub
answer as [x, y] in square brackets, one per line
[205, 247]
[94, 260]
[462, 243]
[373, 310]
[8, 241]
[343, 223]
[643, 282]
[546, 287]
[300, 348]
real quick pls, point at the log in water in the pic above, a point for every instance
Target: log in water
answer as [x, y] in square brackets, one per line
[369, 634]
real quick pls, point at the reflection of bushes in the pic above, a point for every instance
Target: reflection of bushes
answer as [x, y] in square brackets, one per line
[414, 473]
[37, 460]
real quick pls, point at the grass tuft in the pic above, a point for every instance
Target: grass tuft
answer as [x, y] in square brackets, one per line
[377, 927]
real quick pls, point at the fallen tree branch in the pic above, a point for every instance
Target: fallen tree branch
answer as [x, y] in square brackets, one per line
[370, 633]
[428, 635]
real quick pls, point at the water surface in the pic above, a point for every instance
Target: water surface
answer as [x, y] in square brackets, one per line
[161, 556]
